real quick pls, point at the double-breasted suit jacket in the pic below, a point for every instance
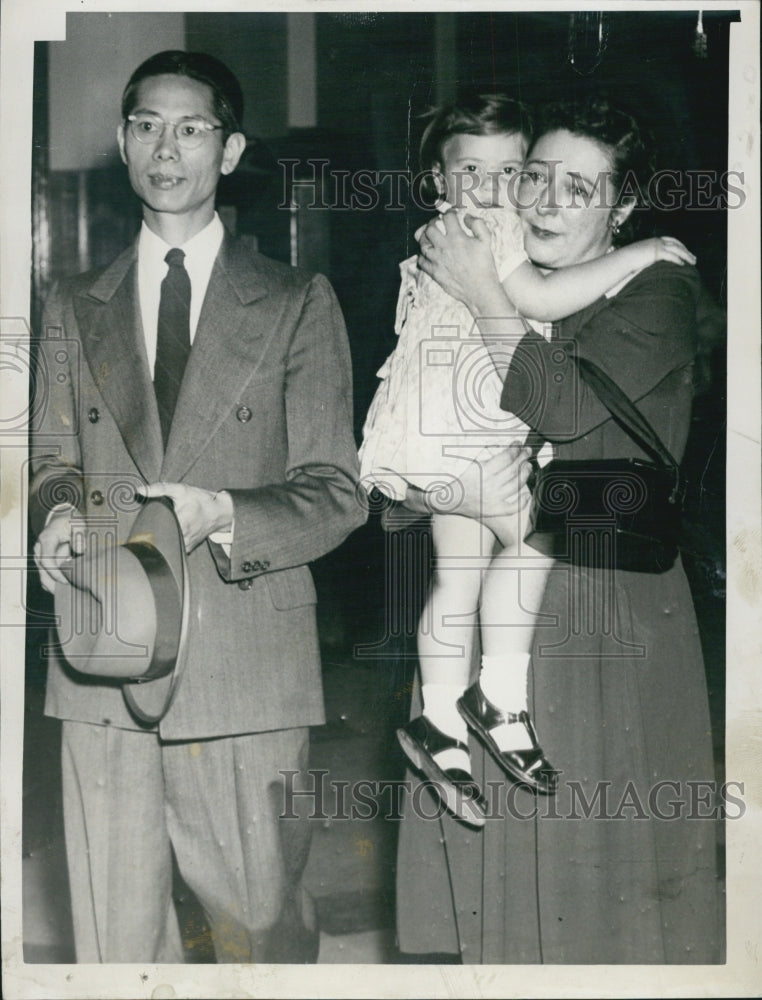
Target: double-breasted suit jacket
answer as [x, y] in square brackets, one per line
[264, 412]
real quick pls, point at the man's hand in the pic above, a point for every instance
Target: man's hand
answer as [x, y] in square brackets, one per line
[199, 512]
[56, 544]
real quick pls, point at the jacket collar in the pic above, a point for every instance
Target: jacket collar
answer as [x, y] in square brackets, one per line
[234, 259]
[225, 353]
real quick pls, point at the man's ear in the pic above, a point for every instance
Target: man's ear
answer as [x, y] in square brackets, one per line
[233, 151]
[120, 141]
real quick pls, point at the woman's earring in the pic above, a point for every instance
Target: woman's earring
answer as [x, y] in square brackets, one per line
[615, 226]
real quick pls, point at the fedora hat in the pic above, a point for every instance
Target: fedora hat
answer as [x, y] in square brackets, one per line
[124, 614]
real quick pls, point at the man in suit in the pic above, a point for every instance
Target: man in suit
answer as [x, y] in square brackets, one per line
[256, 452]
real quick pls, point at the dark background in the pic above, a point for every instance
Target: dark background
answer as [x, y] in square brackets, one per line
[376, 74]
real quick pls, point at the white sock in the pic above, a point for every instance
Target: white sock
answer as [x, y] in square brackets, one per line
[439, 705]
[503, 680]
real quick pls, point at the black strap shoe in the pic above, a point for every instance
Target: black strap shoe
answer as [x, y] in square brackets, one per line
[528, 767]
[459, 793]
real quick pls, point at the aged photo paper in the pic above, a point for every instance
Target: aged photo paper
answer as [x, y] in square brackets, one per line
[66, 207]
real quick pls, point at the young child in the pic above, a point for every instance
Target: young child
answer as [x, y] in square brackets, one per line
[435, 411]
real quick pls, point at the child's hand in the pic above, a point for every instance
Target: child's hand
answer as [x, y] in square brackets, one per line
[668, 248]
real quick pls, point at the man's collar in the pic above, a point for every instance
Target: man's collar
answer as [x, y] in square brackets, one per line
[205, 242]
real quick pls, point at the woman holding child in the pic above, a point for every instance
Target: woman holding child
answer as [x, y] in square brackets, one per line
[599, 845]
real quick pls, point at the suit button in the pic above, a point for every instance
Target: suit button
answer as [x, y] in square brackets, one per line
[245, 584]
[93, 416]
[246, 567]
[243, 413]
[96, 497]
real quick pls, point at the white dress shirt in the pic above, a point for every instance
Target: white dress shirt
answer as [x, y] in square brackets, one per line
[200, 254]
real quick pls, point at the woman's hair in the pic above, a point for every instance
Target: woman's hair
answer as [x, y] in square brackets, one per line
[226, 90]
[629, 145]
[470, 114]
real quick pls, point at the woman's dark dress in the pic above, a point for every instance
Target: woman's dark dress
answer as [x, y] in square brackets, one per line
[619, 698]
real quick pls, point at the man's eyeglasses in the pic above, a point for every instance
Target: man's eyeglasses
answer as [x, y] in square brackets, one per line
[189, 132]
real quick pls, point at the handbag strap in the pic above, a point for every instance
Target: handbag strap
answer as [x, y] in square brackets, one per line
[626, 414]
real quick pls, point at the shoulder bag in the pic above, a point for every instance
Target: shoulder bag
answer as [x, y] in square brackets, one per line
[621, 513]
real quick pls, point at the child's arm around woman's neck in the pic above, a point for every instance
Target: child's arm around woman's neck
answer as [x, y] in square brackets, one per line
[553, 295]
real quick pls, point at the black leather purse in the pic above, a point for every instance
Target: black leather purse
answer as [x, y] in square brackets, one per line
[621, 513]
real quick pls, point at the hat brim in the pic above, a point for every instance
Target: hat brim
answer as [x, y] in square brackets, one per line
[149, 699]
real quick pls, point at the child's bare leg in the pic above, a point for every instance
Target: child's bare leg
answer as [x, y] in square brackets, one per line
[512, 593]
[463, 549]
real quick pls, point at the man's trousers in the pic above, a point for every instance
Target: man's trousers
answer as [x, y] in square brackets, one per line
[131, 799]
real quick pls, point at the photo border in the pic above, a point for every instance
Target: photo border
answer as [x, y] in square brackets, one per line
[23, 22]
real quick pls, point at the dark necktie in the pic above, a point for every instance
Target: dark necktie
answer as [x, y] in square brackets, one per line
[173, 338]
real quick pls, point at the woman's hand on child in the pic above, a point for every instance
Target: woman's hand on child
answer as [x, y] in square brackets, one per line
[463, 265]
[496, 486]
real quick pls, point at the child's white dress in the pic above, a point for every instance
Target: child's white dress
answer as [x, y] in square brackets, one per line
[438, 404]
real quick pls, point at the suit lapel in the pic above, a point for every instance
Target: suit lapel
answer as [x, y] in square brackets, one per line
[226, 351]
[112, 340]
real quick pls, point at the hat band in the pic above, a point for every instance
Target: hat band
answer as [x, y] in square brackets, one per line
[168, 610]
